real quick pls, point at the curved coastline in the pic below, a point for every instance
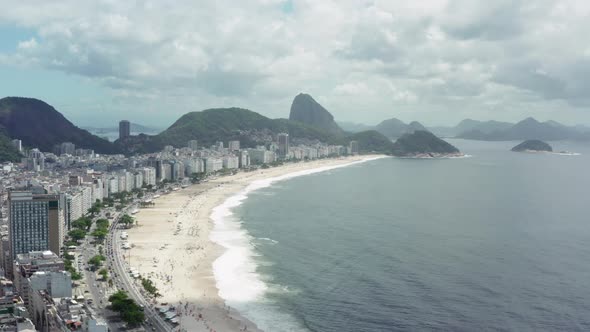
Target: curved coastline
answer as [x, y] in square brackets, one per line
[235, 273]
[174, 246]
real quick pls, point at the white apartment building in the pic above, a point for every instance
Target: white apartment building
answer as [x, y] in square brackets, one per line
[213, 164]
[86, 198]
[129, 181]
[261, 156]
[137, 180]
[231, 162]
[113, 185]
[194, 165]
[149, 175]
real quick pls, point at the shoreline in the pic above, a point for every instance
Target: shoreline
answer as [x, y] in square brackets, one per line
[173, 246]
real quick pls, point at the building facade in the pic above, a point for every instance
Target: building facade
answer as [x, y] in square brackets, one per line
[124, 129]
[283, 145]
[35, 222]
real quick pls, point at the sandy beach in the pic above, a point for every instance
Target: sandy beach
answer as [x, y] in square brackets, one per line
[171, 245]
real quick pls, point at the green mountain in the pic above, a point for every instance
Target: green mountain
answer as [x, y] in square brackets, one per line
[372, 141]
[7, 151]
[394, 128]
[250, 128]
[225, 124]
[39, 125]
[532, 145]
[353, 127]
[422, 142]
[306, 110]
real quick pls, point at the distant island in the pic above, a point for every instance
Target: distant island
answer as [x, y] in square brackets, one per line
[423, 144]
[533, 145]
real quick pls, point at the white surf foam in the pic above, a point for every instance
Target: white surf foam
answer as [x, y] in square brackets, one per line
[235, 273]
[567, 153]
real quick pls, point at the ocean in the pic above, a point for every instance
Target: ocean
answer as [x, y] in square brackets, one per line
[494, 241]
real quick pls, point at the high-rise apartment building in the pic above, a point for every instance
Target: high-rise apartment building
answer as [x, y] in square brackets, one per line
[283, 145]
[67, 148]
[193, 145]
[17, 144]
[354, 147]
[234, 145]
[34, 222]
[124, 129]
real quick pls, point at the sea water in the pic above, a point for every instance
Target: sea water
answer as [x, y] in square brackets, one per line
[497, 241]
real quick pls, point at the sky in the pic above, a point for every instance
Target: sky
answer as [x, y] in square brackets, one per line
[435, 61]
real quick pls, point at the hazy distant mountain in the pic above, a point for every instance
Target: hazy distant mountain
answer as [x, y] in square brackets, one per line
[306, 110]
[483, 126]
[39, 125]
[528, 129]
[468, 125]
[394, 128]
[354, 127]
[421, 142]
[135, 128]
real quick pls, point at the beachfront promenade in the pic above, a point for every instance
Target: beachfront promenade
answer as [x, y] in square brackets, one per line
[123, 279]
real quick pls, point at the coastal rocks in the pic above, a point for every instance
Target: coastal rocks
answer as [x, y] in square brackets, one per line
[423, 144]
[533, 146]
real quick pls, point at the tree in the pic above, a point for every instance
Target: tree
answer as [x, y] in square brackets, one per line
[77, 234]
[149, 286]
[100, 234]
[96, 261]
[103, 273]
[102, 223]
[127, 220]
[82, 223]
[130, 312]
[94, 210]
[75, 275]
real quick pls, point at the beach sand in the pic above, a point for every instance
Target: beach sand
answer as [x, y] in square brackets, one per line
[171, 246]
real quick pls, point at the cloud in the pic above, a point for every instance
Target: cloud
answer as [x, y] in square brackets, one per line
[423, 58]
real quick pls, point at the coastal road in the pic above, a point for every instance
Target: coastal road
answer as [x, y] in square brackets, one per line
[95, 289]
[123, 280]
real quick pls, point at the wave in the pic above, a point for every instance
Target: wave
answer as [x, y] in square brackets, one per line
[567, 153]
[237, 280]
[460, 157]
[268, 240]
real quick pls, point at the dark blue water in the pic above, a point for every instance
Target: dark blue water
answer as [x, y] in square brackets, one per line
[498, 241]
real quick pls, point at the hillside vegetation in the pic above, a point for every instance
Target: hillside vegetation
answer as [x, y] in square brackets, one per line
[39, 125]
